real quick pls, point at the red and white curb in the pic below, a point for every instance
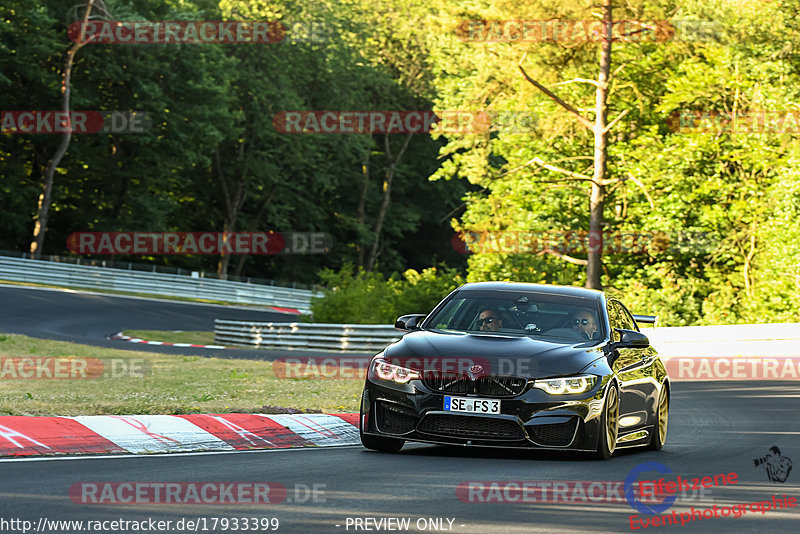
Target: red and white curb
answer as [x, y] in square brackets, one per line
[280, 309]
[137, 434]
[120, 337]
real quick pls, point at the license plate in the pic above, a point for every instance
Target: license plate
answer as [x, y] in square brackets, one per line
[466, 404]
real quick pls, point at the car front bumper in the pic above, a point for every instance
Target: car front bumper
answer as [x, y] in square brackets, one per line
[533, 419]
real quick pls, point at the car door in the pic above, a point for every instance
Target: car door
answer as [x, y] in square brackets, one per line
[632, 370]
[646, 382]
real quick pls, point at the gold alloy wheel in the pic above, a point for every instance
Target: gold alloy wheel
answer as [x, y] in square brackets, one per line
[663, 415]
[612, 419]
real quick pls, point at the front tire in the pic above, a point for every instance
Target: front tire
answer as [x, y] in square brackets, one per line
[662, 419]
[376, 443]
[609, 425]
[379, 443]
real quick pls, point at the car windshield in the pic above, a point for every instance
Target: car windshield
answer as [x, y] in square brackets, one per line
[559, 318]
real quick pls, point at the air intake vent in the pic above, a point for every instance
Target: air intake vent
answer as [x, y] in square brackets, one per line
[471, 427]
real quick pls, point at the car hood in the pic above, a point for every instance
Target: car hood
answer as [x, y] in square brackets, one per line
[505, 355]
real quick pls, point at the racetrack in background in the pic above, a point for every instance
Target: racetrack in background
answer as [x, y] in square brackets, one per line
[88, 318]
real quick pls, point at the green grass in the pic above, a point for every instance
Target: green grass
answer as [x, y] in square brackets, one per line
[170, 384]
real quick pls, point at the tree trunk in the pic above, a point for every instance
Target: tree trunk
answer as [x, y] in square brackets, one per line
[594, 267]
[232, 206]
[362, 209]
[45, 197]
[600, 127]
[225, 258]
[253, 227]
[387, 194]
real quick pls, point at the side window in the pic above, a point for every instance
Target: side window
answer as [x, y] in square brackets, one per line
[448, 320]
[614, 319]
[628, 317]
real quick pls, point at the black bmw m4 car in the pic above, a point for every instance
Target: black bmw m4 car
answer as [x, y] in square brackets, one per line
[500, 364]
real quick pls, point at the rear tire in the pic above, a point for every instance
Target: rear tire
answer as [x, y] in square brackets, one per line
[609, 425]
[662, 419]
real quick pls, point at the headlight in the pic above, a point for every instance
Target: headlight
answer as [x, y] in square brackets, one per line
[566, 386]
[388, 371]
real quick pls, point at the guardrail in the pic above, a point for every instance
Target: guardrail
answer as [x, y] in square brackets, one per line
[110, 263]
[727, 341]
[729, 352]
[305, 336]
[81, 276]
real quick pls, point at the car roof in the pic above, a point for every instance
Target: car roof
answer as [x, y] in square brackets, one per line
[572, 291]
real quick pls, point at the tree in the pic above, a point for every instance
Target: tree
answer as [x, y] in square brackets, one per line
[40, 223]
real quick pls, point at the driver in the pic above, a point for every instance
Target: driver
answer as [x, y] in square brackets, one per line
[585, 322]
[489, 321]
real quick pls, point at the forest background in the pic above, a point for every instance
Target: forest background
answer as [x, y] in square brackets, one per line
[725, 195]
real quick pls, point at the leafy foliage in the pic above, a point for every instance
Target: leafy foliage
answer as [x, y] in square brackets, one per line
[213, 140]
[733, 190]
[729, 202]
[359, 297]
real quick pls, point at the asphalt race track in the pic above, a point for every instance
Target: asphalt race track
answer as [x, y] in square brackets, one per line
[88, 318]
[715, 429]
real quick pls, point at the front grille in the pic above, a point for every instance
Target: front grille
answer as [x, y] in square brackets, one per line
[448, 383]
[393, 420]
[489, 386]
[554, 435]
[500, 386]
[471, 427]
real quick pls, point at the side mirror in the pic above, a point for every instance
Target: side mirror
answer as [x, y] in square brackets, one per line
[409, 322]
[632, 339]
